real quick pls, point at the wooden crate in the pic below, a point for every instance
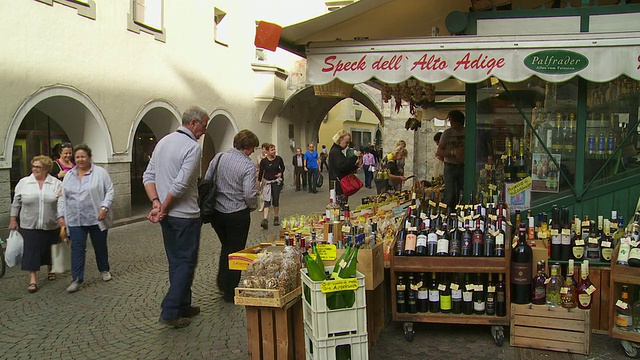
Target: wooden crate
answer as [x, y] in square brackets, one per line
[264, 297]
[370, 264]
[375, 313]
[557, 329]
[276, 333]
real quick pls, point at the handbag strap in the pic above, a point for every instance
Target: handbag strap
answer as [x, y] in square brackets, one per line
[214, 176]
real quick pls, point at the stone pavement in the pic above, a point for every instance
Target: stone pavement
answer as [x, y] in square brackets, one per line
[118, 319]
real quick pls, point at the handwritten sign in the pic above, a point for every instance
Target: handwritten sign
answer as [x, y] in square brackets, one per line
[338, 285]
[326, 251]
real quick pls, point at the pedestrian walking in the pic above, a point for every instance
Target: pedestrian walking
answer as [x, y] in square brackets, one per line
[311, 166]
[264, 148]
[63, 163]
[270, 181]
[324, 155]
[451, 150]
[85, 203]
[340, 165]
[237, 197]
[171, 183]
[369, 167]
[298, 170]
[35, 204]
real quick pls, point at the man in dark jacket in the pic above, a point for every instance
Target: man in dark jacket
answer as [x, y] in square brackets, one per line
[298, 170]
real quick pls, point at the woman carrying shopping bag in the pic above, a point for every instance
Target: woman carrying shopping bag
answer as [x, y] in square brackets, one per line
[34, 212]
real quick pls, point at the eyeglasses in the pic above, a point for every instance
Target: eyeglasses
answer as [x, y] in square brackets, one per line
[36, 166]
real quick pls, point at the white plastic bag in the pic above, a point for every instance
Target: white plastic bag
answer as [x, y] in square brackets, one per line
[60, 257]
[15, 245]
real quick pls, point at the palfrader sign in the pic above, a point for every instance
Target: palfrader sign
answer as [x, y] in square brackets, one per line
[433, 63]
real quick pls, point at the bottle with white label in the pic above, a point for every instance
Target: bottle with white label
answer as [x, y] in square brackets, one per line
[467, 295]
[577, 242]
[479, 304]
[456, 295]
[442, 248]
[623, 311]
[423, 294]
[606, 242]
[434, 295]
[623, 251]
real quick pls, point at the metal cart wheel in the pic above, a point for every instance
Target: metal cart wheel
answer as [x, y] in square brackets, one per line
[407, 329]
[631, 349]
[498, 335]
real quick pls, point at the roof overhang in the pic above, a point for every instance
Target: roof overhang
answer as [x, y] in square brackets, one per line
[471, 59]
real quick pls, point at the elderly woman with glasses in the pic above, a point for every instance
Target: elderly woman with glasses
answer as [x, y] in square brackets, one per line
[34, 213]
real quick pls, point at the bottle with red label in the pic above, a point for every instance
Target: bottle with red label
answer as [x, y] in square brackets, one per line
[585, 288]
[521, 263]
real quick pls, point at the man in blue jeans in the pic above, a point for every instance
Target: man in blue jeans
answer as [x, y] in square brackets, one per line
[311, 167]
[171, 183]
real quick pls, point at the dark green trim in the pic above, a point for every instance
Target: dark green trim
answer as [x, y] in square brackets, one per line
[471, 110]
[581, 137]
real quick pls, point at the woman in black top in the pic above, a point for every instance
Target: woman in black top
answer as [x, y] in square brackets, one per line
[270, 182]
[340, 165]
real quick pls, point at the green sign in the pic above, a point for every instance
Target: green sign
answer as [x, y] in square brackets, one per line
[556, 62]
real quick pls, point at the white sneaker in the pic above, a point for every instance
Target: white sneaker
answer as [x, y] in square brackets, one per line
[106, 276]
[75, 286]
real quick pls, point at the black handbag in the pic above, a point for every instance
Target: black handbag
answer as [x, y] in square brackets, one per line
[319, 180]
[207, 192]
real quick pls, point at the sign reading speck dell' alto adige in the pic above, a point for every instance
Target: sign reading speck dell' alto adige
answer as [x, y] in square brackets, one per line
[474, 65]
[556, 62]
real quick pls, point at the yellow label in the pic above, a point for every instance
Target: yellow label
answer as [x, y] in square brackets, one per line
[479, 287]
[584, 299]
[469, 287]
[566, 232]
[432, 203]
[343, 264]
[578, 252]
[442, 287]
[401, 287]
[454, 286]
[579, 242]
[491, 289]
[520, 186]
[564, 290]
[554, 232]
[487, 166]
[622, 305]
[346, 229]
[547, 280]
[591, 289]
[326, 251]
[338, 285]
[413, 287]
[443, 205]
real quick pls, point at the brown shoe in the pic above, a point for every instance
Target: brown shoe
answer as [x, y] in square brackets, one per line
[190, 312]
[177, 323]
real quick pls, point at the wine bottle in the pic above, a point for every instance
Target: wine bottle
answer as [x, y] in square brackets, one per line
[509, 171]
[570, 138]
[467, 295]
[593, 243]
[623, 311]
[411, 239]
[554, 285]
[565, 236]
[434, 295]
[477, 242]
[340, 262]
[401, 305]
[421, 240]
[539, 286]
[556, 239]
[400, 243]
[606, 244]
[585, 288]
[467, 237]
[490, 307]
[442, 247]
[423, 294]
[611, 136]
[432, 236]
[521, 262]
[348, 270]
[500, 238]
[557, 137]
[318, 259]
[490, 240]
[521, 164]
[623, 251]
[601, 140]
[412, 296]
[445, 294]
[314, 271]
[455, 236]
[501, 297]
[577, 243]
[456, 295]
[569, 292]
[479, 304]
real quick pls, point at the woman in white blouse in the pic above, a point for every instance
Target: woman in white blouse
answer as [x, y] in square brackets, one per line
[34, 212]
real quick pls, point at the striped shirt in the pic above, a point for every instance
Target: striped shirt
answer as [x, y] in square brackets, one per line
[36, 209]
[236, 182]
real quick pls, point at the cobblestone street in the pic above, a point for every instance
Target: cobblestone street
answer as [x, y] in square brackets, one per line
[118, 319]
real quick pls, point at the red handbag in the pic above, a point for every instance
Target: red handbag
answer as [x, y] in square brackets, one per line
[350, 184]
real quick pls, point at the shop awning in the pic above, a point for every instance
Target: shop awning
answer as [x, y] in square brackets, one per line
[472, 59]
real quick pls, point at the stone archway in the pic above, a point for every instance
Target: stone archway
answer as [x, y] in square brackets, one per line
[221, 129]
[156, 119]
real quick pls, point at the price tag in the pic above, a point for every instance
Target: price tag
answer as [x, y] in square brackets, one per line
[343, 264]
[492, 187]
[432, 203]
[346, 229]
[326, 251]
[554, 232]
[479, 287]
[443, 205]
[503, 157]
[591, 289]
[454, 287]
[566, 232]
[412, 228]
[414, 287]
[515, 243]
[338, 285]
[593, 240]
[491, 289]
[476, 216]
[419, 284]
[547, 281]
[401, 287]
[469, 287]
[442, 287]
[440, 232]
[634, 243]
[606, 244]
[423, 216]
[625, 240]
[580, 242]
[622, 305]
[564, 290]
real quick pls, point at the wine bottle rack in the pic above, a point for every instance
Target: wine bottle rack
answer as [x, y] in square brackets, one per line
[449, 264]
[621, 275]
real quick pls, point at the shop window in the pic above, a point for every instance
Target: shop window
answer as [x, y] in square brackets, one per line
[86, 8]
[360, 138]
[533, 121]
[147, 16]
[220, 32]
[611, 140]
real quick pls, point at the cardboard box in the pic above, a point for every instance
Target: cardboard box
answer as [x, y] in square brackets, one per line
[370, 264]
[540, 252]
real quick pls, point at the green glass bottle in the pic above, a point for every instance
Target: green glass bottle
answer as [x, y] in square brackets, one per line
[315, 272]
[337, 266]
[318, 258]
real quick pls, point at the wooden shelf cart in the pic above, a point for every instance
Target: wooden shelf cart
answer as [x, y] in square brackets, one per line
[493, 265]
[623, 275]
